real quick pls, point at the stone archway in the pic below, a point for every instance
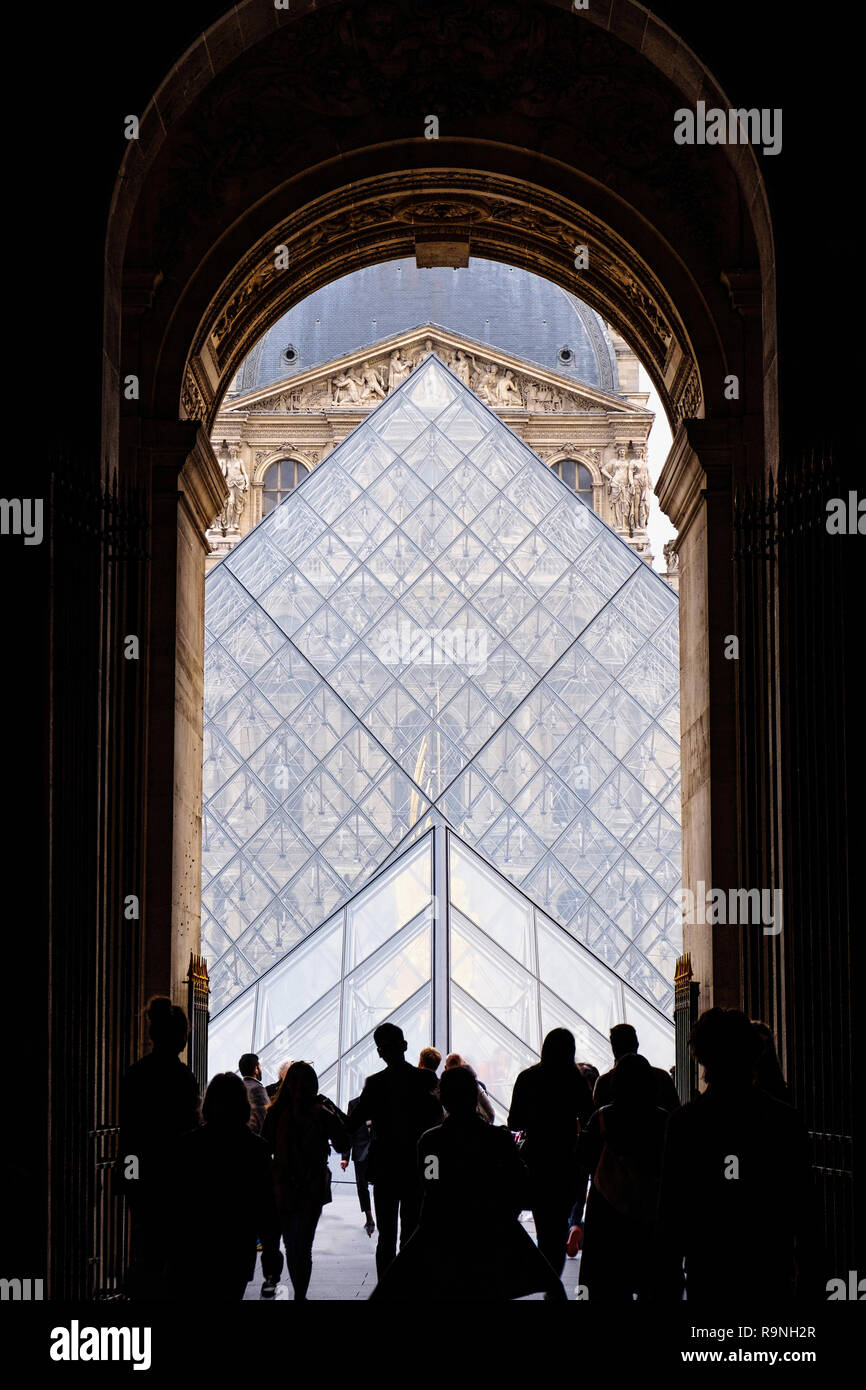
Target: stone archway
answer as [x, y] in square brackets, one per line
[226, 173]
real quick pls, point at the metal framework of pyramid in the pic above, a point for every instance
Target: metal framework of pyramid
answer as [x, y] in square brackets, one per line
[441, 772]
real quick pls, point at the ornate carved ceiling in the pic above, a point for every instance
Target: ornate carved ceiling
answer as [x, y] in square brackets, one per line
[499, 218]
[305, 129]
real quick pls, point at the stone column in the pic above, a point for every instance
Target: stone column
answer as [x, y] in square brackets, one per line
[188, 490]
[694, 490]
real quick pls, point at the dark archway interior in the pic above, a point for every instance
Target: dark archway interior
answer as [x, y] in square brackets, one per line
[306, 129]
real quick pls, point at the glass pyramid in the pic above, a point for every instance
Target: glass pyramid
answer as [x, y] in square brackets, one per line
[433, 637]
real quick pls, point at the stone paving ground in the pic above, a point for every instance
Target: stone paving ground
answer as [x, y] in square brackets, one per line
[344, 1257]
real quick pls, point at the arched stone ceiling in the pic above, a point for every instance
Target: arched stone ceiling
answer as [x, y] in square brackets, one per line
[305, 128]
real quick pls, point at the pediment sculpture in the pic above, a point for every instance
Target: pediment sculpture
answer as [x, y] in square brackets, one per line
[365, 384]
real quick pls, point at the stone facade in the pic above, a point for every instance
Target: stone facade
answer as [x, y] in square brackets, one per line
[303, 418]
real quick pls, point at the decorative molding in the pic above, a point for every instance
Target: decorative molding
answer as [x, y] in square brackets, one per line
[685, 391]
[698, 466]
[378, 219]
[202, 482]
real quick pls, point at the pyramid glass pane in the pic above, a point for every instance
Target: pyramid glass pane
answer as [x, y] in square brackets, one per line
[433, 631]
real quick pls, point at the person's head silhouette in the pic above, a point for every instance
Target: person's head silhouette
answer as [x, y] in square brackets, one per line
[226, 1104]
[633, 1081]
[167, 1025]
[458, 1092]
[727, 1047]
[557, 1050]
[301, 1085]
[390, 1043]
[623, 1040]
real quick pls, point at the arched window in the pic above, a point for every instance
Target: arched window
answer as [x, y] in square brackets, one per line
[281, 478]
[578, 476]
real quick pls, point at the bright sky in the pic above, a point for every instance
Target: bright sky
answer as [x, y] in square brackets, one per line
[660, 440]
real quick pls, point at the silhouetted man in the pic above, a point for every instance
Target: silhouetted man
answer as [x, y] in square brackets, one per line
[734, 1201]
[623, 1043]
[251, 1071]
[260, 1097]
[401, 1106]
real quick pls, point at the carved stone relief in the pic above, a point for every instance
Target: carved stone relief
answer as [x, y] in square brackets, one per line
[366, 383]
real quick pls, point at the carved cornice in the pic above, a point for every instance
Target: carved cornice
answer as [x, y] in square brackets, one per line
[181, 462]
[197, 393]
[506, 220]
[744, 291]
[685, 391]
[203, 485]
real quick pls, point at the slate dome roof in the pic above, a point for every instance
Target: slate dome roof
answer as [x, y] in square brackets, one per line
[498, 305]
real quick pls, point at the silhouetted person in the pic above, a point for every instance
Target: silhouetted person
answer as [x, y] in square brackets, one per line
[224, 1175]
[469, 1245]
[299, 1128]
[589, 1072]
[734, 1191]
[251, 1071]
[590, 1075]
[621, 1148]
[429, 1059]
[400, 1103]
[549, 1102]
[272, 1255]
[485, 1104]
[359, 1154]
[159, 1102]
[623, 1043]
[768, 1069]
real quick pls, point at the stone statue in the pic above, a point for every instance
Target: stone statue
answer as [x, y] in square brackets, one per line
[460, 367]
[672, 559]
[640, 487]
[238, 484]
[618, 487]
[398, 370]
[371, 385]
[347, 389]
[488, 384]
[420, 353]
[507, 392]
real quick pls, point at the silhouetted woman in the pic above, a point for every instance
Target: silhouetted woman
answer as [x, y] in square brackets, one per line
[621, 1148]
[224, 1177]
[549, 1103]
[469, 1245]
[298, 1128]
[159, 1102]
[485, 1104]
